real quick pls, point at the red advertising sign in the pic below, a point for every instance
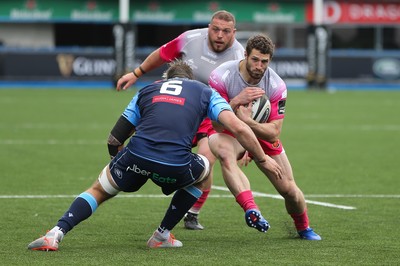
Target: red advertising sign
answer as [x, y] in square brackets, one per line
[357, 12]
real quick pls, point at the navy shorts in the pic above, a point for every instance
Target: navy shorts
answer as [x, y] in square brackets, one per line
[130, 172]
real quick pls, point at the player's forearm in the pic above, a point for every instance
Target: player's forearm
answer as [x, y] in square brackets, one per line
[243, 134]
[121, 131]
[152, 62]
[248, 140]
[266, 131]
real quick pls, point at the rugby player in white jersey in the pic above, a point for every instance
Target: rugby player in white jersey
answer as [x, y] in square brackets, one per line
[240, 82]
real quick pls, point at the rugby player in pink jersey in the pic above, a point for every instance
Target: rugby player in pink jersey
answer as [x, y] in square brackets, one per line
[240, 82]
[203, 49]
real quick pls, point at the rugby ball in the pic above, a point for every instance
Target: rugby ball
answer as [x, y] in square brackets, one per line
[261, 109]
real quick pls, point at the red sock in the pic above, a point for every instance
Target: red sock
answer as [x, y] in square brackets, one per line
[246, 200]
[200, 202]
[300, 220]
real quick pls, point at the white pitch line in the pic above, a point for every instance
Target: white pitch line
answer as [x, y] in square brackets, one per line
[351, 196]
[325, 204]
[256, 194]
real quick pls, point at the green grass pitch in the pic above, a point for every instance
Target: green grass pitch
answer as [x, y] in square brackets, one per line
[344, 148]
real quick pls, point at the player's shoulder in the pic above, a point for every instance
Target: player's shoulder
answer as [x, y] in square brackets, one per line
[195, 33]
[276, 83]
[224, 74]
[275, 76]
[230, 65]
[237, 45]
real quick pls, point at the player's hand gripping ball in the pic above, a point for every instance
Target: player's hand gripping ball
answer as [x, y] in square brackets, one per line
[261, 109]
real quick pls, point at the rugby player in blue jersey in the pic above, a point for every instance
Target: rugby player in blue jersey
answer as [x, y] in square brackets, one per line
[203, 49]
[164, 117]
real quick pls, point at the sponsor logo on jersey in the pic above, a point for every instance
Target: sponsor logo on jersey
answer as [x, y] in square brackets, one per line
[208, 60]
[168, 99]
[281, 107]
[154, 176]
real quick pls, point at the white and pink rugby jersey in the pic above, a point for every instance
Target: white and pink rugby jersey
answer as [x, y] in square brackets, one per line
[192, 47]
[227, 80]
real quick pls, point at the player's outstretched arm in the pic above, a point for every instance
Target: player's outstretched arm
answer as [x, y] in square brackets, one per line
[153, 61]
[126, 81]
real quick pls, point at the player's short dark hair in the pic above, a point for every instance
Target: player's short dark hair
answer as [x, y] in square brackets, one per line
[178, 69]
[261, 43]
[224, 15]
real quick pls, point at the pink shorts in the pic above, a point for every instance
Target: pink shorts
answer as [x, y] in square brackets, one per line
[205, 129]
[271, 149]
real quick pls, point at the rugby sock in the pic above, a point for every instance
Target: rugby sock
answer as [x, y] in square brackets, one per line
[246, 200]
[81, 208]
[300, 220]
[162, 233]
[181, 202]
[200, 202]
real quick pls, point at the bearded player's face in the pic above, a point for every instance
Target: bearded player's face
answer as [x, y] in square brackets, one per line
[257, 63]
[221, 35]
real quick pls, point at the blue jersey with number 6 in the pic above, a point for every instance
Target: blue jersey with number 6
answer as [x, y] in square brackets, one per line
[167, 114]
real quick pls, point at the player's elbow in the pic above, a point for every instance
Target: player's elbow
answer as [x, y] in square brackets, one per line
[113, 146]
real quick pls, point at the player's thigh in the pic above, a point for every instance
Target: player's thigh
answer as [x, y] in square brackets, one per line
[225, 146]
[204, 149]
[182, 176]
[128, 171]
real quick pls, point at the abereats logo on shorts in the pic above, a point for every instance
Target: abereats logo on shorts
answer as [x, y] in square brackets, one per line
[154, 176]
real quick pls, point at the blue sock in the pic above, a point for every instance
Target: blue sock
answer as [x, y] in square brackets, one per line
[181, 202]
[81, 209]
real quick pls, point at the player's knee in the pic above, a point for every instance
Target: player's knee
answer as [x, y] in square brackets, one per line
[206, 171]
[194, 191]
[105, 183]
[291, 192]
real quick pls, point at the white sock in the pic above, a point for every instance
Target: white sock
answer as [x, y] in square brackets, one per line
[163, 233]
[59, 232]
[194, 211]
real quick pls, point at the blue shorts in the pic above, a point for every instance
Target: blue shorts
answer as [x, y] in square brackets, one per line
[130, 172]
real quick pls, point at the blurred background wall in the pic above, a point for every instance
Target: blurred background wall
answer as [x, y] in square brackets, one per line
[356, 43]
